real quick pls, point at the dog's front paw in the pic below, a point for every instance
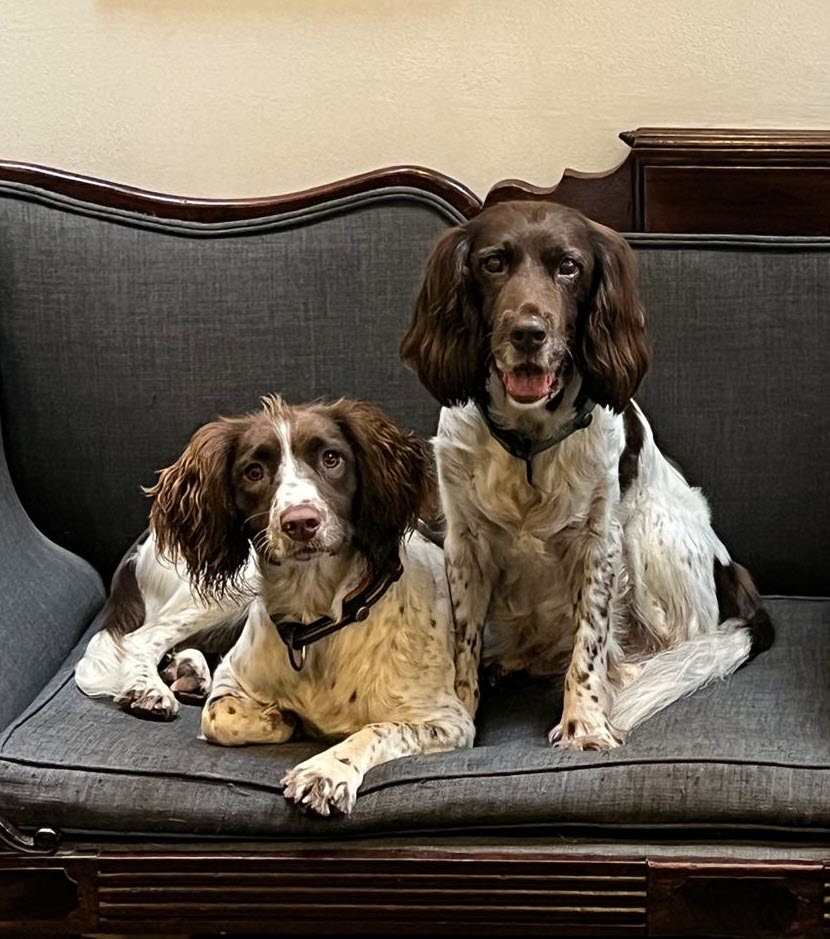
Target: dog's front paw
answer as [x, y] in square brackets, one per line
[323, 784]
[188, 675]
[585, 733]
[150, 702]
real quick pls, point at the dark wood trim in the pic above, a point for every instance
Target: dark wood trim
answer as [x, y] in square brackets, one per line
[735, 899]
[374, 890]
[674, 180]
[737, 144]
[760, 182]
[107, 194]
[361, 892]
[340, 890]
[605, 197]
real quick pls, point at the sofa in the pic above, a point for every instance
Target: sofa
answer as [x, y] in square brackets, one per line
[128, 318]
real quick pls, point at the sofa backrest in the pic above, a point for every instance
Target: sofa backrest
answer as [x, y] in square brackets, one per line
[737, 394]
[121, 333]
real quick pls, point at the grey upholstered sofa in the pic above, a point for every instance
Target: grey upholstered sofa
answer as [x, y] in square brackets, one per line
[128, 319]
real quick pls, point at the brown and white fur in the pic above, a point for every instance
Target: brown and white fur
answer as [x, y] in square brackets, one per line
[605, 567]
[282, 513]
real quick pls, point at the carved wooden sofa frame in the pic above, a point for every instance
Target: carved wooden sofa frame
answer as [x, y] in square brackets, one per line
[672, 181]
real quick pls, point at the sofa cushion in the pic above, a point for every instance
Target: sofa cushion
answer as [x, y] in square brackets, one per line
[749, 753]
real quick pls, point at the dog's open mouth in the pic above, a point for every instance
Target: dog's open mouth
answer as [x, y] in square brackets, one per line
[528, 383]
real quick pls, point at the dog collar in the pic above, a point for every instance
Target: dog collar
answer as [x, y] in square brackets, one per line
[356, 608]
[524, 447]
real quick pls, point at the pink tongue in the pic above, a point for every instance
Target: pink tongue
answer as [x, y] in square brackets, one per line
[527, 385]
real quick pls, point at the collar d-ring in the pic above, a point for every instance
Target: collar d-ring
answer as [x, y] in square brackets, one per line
[356, 609]
[292, 657]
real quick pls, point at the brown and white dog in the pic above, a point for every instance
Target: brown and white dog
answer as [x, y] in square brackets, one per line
[580, 545]
[270, 522]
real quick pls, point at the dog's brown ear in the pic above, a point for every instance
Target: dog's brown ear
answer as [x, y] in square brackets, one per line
[445, 340]
[615, 351]
[193, 515]
[395, 482]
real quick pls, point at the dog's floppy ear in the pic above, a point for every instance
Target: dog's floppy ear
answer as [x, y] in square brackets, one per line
[614, 349]
[193, 515]
[394, 480]
[445, 340]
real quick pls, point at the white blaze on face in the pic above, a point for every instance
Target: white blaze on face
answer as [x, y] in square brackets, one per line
[295, 486]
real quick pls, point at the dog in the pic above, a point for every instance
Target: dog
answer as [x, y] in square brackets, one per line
[293, 524]
[582, 548]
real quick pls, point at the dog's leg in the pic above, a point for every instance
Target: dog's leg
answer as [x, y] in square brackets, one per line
[142, 691]
[470, 583]
[232, 719]
[329, 781]
[585, 723]
[231, 716]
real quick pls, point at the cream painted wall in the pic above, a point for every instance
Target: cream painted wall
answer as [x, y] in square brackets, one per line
[253, 97]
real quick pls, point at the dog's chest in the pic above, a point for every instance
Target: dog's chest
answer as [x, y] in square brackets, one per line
[329, 701]
[528, 519]
[391, 666]
[334, 693]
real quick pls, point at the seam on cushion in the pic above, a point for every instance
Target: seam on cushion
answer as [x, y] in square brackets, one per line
[366, 789]
[544, 771]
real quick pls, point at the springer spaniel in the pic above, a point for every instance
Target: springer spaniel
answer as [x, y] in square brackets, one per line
[292, 523]
[569, 534]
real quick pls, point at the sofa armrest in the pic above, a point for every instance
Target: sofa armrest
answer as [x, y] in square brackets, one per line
[47, 598]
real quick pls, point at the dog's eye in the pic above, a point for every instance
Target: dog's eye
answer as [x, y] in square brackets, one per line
[254, 472]
[493, 264]
[331, 458]
[568, 267]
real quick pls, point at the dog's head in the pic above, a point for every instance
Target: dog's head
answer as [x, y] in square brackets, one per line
[534, 292]
[294, 482]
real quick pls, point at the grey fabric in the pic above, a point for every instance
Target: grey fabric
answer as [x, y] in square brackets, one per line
[47, 597]
[738, 395]
[752, 752]
[119, 334]
[117, 340]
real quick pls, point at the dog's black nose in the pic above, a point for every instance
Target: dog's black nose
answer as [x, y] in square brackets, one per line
[528, 335]
[300, 523]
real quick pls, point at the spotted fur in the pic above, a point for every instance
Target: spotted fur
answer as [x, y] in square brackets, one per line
[386, 684]
[601, 565]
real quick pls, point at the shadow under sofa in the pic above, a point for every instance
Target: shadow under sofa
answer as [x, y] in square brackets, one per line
[124, 324]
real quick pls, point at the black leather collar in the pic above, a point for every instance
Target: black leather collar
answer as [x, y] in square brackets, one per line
[525, 448]
[356, 608]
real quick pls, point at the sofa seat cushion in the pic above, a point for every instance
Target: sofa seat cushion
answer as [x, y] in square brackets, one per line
[749, 753]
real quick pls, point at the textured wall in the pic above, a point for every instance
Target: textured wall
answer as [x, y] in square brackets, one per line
[250, 97]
